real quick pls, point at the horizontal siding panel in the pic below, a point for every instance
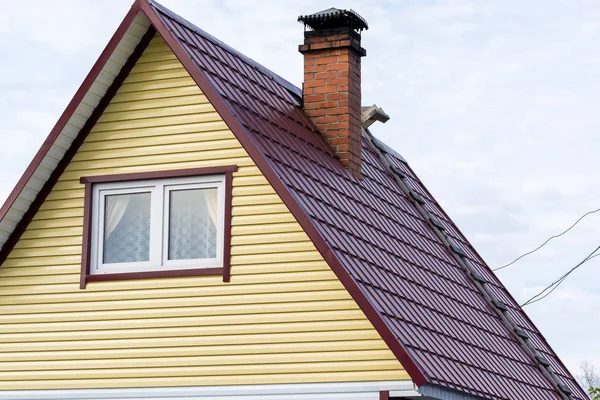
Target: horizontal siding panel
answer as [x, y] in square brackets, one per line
[355, 348]
[257, 190]
[252, 200]
[59, 214]
[156, 66]
[131, 141]
[146, 122]
[34, 271]
[159, 94]
[188, 147]
[61, 241]
[219, 344]
[269, 238]
[162, 84]
[158, 381]
[276, 328]
[206, 128]
[275, 249]
[154, 104]
[56, 223]
[204, 371]
[213, 310]
[51, 233]
[176, 302]
[179, 292]
[258, 209]
[222, 156]
[164, 111]
[163, 56]
[283, 318]
[183, 359]
[154, 75]
[67, 194]
[183, 322]
[174, 164]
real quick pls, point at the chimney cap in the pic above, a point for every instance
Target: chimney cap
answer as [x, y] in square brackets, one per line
[334, 18]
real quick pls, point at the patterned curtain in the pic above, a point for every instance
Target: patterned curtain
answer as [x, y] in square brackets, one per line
[192, 224]
[127, 228]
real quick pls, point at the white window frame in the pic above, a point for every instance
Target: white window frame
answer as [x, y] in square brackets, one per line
[159, 228]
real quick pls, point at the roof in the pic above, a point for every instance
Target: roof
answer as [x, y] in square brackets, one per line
[390, 258]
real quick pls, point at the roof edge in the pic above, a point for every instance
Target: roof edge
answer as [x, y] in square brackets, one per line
[242, 135]
[280, 80]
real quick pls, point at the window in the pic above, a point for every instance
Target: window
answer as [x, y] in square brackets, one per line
[157, 224]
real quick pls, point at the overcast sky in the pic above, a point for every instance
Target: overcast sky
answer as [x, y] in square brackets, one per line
[495, 104]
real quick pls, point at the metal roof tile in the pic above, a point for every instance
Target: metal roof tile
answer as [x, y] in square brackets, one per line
[425, 298]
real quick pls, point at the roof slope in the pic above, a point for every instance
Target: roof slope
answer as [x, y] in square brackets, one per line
[384, 251]
[439, 316]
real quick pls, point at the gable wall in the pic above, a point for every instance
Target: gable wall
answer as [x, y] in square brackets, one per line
[283, 318]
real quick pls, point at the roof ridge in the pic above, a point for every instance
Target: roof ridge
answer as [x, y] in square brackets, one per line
[277, 78]
[467, 267]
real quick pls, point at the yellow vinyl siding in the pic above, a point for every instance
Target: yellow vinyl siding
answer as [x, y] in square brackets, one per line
[283, 318]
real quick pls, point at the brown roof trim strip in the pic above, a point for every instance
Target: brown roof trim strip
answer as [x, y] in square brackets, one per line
[416, 373]
[64, 162]
[227, 228]
[173, 173]
[155, 274]
[86, 240]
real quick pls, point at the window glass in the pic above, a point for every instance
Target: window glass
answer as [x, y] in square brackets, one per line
[193, 217]
[126, 228]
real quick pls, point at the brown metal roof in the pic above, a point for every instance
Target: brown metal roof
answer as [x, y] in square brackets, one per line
[429, 311]
[441, 320]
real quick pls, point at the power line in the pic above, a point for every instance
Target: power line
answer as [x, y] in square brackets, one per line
[546, 242]
[552, 287]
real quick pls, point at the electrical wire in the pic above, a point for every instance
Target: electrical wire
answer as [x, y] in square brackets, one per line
[552, 287]
[546, 242]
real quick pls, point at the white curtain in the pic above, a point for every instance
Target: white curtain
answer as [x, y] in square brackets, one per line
[211, 203]
[113, 212]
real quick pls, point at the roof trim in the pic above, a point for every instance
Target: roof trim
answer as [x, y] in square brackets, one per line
[243, 136]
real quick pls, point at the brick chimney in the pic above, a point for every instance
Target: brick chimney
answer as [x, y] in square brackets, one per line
[331, 89]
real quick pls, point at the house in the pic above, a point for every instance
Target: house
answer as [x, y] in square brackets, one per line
[196, 227]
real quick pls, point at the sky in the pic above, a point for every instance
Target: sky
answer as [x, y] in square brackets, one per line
[495, 104]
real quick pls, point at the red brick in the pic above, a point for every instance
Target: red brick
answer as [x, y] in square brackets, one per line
[326, 60]
[326, 75]
[315, 113]
[315, 68]
[338, 81]
[314, 98]
[337, 67]
[337, 111]
[325, 120]
[314, 83]
[324, 90]
[337, 96]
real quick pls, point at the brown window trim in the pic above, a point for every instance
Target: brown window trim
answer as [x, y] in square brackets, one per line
[88, 181]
